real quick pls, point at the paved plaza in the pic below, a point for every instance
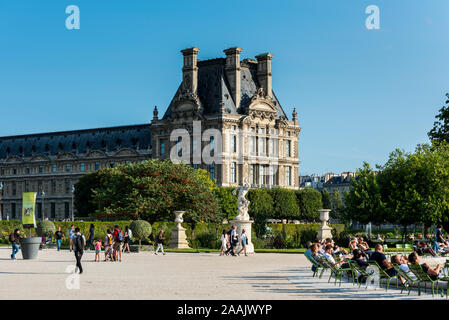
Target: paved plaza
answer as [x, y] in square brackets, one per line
[176, 276]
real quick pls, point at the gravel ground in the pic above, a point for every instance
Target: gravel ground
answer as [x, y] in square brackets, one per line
[174, 276]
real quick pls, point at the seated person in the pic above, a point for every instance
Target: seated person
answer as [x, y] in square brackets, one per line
[401, 261]
[363, 245]
[353, 244]
[328, 251]
[320, 248]
[357, 256]
[433, 273]
[421, 248]
[382, 261]
[439, 237]
[315, 254]
[308, 252]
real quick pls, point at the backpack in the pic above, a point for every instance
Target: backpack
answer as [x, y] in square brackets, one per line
[78, 243]
[109, 241]
[12, 238]
[119, 237]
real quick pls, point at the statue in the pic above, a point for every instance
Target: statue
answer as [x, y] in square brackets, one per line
[242, 202]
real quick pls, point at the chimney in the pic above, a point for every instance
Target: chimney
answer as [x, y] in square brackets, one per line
[232, 69]
[190, 70]
[264, 72]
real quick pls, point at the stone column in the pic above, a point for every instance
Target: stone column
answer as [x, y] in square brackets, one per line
[178, 239]
[324, 231]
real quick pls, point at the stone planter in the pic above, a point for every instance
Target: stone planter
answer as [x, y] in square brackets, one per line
[178, 238]
[30, 247]
[324, 231]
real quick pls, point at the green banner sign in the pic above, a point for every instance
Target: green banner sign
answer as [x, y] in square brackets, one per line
[28, 207]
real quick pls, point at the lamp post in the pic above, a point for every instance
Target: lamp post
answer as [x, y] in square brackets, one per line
[1, 191]
[73, 196]
[43, 207]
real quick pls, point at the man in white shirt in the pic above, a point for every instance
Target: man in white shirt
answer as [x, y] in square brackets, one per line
[328, 254]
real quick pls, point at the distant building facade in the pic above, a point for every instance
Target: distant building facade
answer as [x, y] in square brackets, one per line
[329, 182]
[256, 141]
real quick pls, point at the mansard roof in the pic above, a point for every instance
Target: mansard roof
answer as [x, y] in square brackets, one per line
[78, 141]
[213, 88]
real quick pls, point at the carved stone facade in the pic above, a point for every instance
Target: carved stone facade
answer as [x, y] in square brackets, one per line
[53, 162]
[224, 109]
[253, 138]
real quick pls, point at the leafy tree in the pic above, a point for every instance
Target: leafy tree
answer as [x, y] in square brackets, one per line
[440, 130]
[309, 202]
[141, 230]
[414, 185]
[260, 209]
[152, 190]
[326, 199]
[336, 205]
[227, 202]
[285, 205]
[364, 203]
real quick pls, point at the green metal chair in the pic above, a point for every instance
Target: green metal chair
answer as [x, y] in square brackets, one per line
[337, 271]
[383, 274]
[408, 280]
[357, 269]
[318, 265]
[424, 277]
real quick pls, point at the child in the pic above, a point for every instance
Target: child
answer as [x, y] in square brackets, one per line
[97, 249]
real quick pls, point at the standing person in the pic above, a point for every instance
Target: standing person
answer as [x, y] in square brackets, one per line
[71, 233]
[224, 242]
[90, 236]
[118, 239]
[108, 245]
[59, 235]
[127, 240]
[79, 241]
[159, 241]
[233, 239]
[14, 238]
[97, 250]
[244, 242]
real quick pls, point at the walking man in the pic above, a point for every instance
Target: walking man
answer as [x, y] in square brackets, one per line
[59, 236]
[14, 239]
[159, 241]
[79, 241]
[233, 241]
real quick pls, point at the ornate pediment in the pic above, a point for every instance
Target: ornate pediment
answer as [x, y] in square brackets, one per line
[13, 159]
[66, 156]
[262, 106]
[125, 153]
[96, 154]
[39, 157]
[187, 100]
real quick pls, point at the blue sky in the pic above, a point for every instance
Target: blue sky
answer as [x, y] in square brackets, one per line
[359, 93]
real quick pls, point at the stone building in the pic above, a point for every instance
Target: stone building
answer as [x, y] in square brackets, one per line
[224, 118]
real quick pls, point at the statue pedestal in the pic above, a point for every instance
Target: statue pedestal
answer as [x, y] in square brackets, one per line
[240, 225]
[324, 231]
[178, 239]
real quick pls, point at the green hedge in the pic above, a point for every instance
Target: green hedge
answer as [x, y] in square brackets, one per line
[205, 235]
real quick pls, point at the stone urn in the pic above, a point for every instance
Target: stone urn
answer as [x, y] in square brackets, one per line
[30, 247]
[178, 239]
[324, 231]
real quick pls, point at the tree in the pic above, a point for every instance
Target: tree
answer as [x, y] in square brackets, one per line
[326, 199]
[260, 209]
[151, 190]
[227, 202]
[414, 185]
[440, 130]
[309, 202]
[336, 205]
[285, 205]
[364, 203]
[141, 230]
